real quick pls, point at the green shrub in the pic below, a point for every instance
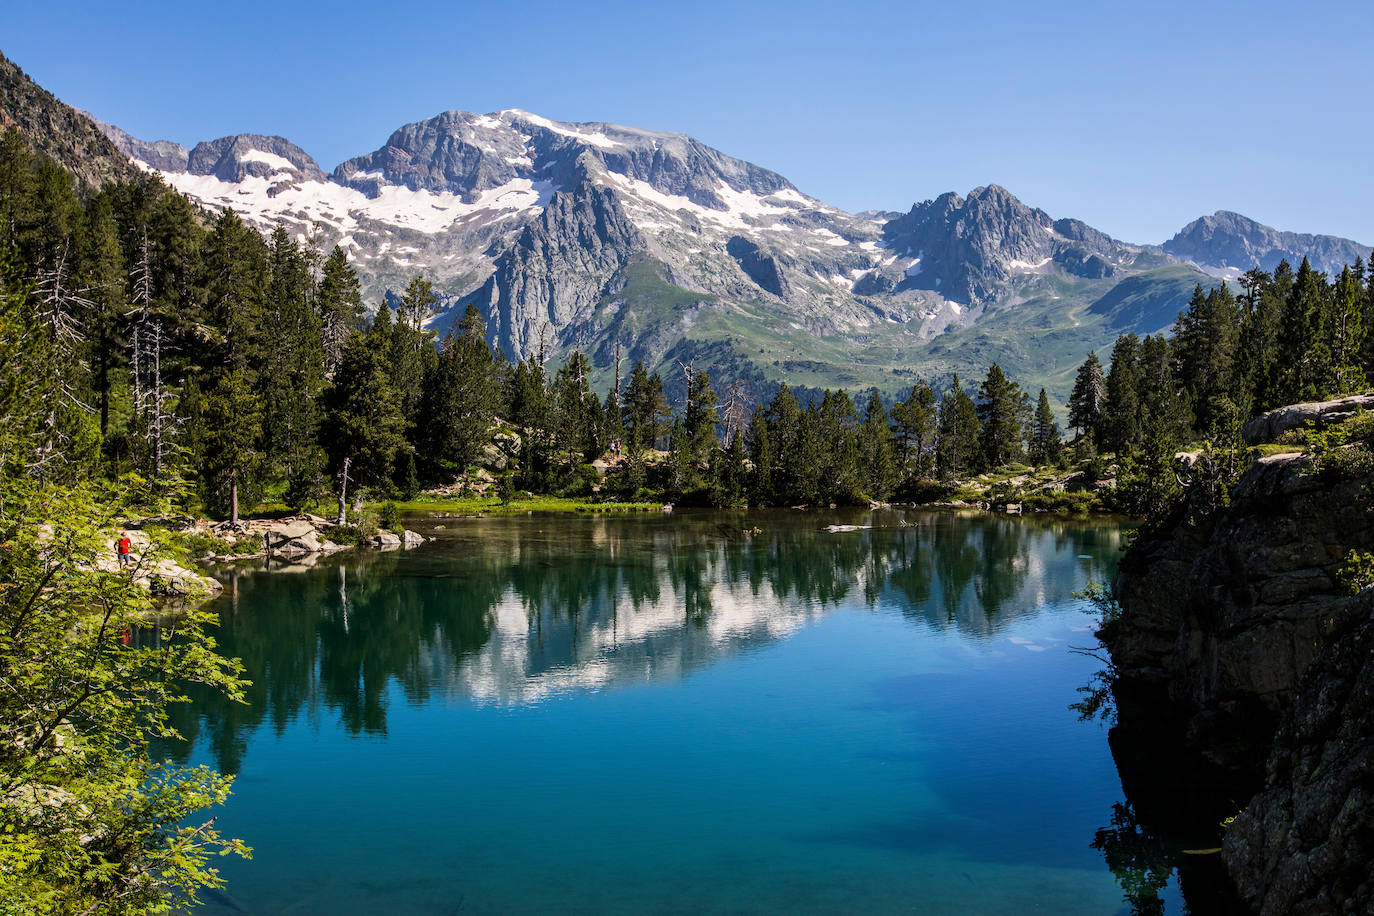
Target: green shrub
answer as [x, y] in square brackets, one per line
[389, 516]
[343, 534]
[1346, 463]
[1357, 572]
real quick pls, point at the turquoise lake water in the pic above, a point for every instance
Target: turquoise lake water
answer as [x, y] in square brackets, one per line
[585, 714]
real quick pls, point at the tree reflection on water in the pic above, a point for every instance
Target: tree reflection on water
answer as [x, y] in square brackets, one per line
[513, 610]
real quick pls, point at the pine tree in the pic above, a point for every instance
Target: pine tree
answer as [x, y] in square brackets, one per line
[16, 187]
[1045, 443]
[412, 350]
[833, 436]
[226, 439]
[1205, 340]
[103, 275]
[1121, 422]
[1345, 332]
[1301, 355]
[1089, 394]
[915, 421]
[694, 434]
[1259, 338]
[730, 473]
[788, 445]
[956, 447]
[362, 426]
[460, 397]
[643, 411]
[293, 364]
[529, 406]
[339, 304]
[700, 418]
[575, 426]
[235, 265]
[1001, 403]
[877, 452]
[1157, 393]
[761, 490]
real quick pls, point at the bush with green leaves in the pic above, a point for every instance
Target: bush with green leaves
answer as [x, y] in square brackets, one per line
[1357, 572]
[90, 819]
[389, 516]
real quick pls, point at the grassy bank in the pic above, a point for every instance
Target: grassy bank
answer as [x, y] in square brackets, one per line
[477, 505]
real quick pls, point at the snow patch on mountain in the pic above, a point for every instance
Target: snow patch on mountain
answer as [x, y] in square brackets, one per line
[279, 163]
[597, 139]
[342, 208]
[745, 210]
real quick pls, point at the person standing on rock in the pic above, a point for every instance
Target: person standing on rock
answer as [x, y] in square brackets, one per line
[122, 548]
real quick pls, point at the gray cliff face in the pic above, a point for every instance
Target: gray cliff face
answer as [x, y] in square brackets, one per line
[1303, 845]
[558, 269]
[233, 159]
[760, 267]
[51, 128]
[454, 152]
[462, 153]
[1227, 239]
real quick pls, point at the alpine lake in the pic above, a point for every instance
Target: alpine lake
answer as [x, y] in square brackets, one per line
[720, 712]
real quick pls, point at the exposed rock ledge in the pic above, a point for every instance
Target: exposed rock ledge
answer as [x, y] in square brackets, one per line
[1269, 426]
[1240, 619]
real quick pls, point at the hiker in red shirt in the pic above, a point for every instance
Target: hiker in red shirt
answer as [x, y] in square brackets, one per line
[122, 547]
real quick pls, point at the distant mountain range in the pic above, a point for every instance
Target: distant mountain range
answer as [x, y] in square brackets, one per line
[585, 234]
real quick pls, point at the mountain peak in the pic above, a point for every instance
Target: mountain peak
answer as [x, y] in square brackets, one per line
[1231, 243]
[241, 156]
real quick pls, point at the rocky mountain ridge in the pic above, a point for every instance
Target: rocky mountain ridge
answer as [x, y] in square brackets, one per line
[59, 131]
[601, 237]
[1230, 244]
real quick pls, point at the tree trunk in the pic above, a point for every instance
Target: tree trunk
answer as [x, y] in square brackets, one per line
[234, 497]
[343, 493]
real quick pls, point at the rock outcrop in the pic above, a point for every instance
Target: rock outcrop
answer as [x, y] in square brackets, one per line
[1241, 620]
[1226, 613]
[1267, 427]
[161, 576]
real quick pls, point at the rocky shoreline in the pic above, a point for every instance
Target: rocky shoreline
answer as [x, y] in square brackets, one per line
[295, 538]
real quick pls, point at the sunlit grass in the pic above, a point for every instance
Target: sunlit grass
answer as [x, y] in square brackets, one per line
[493, 505]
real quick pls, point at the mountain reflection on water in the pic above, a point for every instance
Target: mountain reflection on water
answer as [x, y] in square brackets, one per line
[513, 610]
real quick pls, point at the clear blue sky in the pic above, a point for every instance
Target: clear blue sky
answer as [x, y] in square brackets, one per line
[1134, 117]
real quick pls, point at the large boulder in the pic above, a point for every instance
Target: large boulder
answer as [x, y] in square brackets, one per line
[1267, 427]
[386, 540]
